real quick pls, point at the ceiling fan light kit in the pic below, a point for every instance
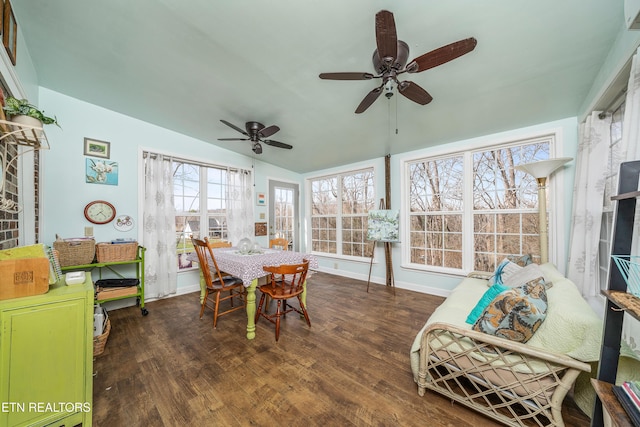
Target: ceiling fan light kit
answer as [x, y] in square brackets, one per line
[390, 60]
[256, 132]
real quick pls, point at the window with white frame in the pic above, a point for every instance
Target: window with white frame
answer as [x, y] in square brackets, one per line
[467, 211]
[200, 201]
[610, 188]
[339, 207]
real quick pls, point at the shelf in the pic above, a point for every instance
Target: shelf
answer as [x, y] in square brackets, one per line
[625, 196]
[611, 404]
[25, 135]
[624, 300]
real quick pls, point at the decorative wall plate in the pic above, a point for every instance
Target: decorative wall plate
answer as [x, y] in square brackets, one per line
[123, 223]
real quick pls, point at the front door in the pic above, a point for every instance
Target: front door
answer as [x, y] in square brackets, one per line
[283, 212]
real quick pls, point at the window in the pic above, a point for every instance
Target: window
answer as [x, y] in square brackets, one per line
[611, 185]
[339, 209]
[200, 202]
[467, 211]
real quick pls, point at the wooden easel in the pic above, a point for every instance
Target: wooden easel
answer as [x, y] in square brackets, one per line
[390, 281]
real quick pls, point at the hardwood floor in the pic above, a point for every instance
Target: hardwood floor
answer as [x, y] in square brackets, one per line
[350, 368]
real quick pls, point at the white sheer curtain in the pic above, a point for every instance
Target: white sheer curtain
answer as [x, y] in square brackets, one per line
[159, 234]
[630, 150]
[240, 205]
[588, 192]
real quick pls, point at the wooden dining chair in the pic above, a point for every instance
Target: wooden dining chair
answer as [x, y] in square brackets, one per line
[279, 243]
[283, 290]
[216, 281]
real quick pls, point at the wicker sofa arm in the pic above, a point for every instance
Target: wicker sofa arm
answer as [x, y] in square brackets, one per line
[484, 275]
[506, 380]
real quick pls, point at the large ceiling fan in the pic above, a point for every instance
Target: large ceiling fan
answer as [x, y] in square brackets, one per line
[255, 132]
[389, 61]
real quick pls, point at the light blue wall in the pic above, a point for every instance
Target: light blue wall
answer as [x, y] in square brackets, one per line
[66, 192]
[434, 283]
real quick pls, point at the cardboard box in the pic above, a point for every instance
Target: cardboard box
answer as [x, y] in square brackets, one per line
[23, 277]
[24, 271]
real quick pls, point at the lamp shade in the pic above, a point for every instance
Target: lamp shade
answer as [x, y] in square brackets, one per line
[543, 168]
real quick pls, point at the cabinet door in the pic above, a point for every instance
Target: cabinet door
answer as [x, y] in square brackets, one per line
[43, 359]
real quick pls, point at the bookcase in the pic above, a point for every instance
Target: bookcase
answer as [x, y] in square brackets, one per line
[134, 292]
[618, 300]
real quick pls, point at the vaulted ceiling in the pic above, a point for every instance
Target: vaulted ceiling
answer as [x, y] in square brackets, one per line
[185, 65]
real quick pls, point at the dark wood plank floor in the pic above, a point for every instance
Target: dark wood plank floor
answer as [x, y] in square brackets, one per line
[350, 368]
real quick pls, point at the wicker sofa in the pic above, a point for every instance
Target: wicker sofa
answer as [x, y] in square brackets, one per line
[514, 383]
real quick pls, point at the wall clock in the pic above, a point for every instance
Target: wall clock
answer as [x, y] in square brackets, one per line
[99, 212]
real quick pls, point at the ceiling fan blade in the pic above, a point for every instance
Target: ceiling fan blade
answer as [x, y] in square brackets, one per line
[278, 144]
[268, 131]
[369, 99]
[346, 76]
[386, 37]
[414, 92]
[233, 139]
[234, 127]
[442, 55]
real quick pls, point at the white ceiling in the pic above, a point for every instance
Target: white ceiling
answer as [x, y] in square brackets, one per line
[184, 65]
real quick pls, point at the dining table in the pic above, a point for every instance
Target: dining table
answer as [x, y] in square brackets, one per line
[249, 266]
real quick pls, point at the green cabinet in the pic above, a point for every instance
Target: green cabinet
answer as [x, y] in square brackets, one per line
[46, 357]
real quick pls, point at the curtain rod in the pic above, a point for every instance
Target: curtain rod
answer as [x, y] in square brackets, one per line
[152, 155]
[613, 103]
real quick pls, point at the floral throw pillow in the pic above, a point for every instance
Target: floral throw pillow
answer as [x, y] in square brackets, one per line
[515, 314]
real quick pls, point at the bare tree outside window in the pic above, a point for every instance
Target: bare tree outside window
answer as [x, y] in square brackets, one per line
[339, 209]
[504, 205]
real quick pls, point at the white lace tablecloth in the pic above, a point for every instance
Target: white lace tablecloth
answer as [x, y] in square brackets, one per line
[250, 267]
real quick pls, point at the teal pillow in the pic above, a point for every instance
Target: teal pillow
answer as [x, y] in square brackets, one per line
[486, 299]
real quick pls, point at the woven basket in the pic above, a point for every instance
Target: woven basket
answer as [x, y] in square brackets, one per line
[113, 252]
[100, 341]
[75, 252]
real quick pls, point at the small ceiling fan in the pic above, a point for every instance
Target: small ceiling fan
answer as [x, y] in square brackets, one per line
[389, 61]
[255, 132]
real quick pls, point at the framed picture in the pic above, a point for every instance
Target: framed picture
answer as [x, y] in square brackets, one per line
[261, 229]
[10, 31]
[2, 16]
[261, 199]
[95, 148]
[101, 172]
[384, 225]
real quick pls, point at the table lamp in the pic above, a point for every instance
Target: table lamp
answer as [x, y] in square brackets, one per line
[540, 170]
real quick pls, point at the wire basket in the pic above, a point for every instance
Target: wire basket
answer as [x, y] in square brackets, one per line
[629, 267]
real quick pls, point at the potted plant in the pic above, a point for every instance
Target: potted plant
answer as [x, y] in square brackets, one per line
[22, 112]
[21, 107]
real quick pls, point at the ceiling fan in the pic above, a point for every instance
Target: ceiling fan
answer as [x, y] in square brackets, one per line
[255, 132]
[389, 61]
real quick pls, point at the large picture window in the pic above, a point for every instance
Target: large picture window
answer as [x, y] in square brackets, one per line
[200, 193]
[339, 208]
[467, 211]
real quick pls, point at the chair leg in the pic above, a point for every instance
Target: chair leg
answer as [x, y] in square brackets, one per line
[304, 311]
[215, 311]
[204, 303]
[278, 314]
[259, 308]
